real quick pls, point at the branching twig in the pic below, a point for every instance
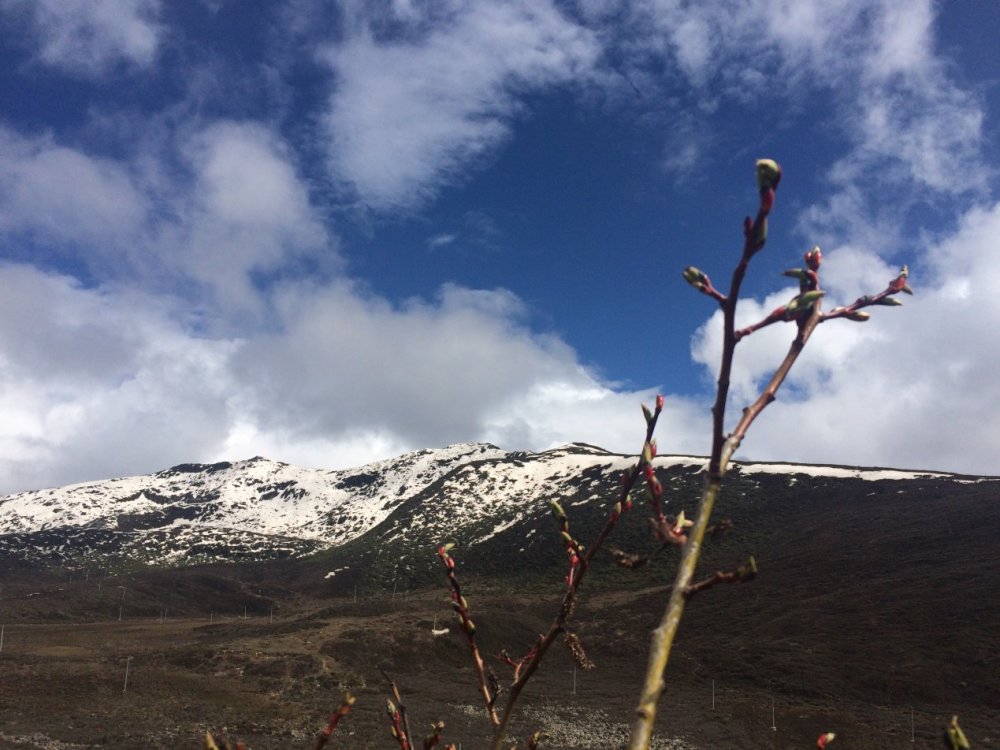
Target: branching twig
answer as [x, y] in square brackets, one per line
[805, 311]
[345, 708]
[400, 724]
[434, 737]
[746, 572]
[582, 564]
[461, 607]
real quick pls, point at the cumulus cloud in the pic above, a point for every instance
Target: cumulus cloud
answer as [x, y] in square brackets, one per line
[100, 382]
[238, 208]
[105, 381]
[90, 37]
[248, 212]
[66, 197]
[408, 115]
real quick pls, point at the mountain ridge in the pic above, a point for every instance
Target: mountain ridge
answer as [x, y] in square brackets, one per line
[258, 509]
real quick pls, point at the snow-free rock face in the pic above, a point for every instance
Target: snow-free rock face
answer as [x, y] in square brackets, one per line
[260, 509]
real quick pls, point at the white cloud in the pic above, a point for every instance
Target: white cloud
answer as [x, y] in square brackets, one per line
[248, 211]
[65, 196]
[90, 37]
[99, 382]
[240, 208]
[906, 119]
[409, 115]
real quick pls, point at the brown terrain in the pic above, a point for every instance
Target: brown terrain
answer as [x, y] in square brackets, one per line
[875, 618]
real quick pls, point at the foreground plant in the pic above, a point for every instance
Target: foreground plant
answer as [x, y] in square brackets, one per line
[580, 558]
[804, 310]
[210, 742]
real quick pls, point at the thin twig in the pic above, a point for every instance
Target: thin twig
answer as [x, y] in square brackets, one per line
[623, 503]
[401, 724]
[461, 607]
[805, 311]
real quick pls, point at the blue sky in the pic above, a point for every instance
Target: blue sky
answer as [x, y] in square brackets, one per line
[333, 232]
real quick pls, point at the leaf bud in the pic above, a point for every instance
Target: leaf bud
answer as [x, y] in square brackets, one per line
[647, 414]
[768, 174]
[795, 273]
[824, 740]
[647, 453]
[804, 301]
[858, 316]
[889, 302]
[682, 523]
[898, 284]
[813, 257]
[696, 278]
[557, 510]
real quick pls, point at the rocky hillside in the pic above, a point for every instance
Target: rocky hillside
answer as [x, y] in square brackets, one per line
[385, 514]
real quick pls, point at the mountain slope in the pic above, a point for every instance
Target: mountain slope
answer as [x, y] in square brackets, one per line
[248, 510]
[392, 511]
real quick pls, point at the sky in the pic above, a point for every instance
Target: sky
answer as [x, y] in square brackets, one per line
[329, 233]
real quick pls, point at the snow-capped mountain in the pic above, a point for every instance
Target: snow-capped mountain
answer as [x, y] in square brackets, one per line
[253, 509]
[260, 509]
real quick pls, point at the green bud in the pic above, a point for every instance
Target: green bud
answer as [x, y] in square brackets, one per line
[567, 538]
[647, 414]
[808, 298]
[557, 510]
[858, 316]
[795, 273]
[449, 546]
[695, 278]
[889, 302]
[647, 453]
[761, 237]
[768, 173]
[804, 300]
